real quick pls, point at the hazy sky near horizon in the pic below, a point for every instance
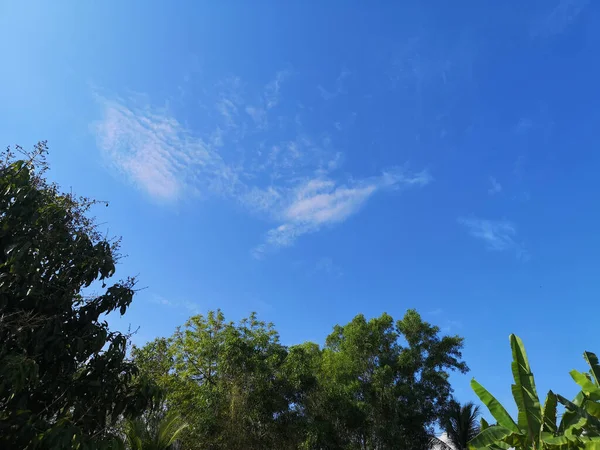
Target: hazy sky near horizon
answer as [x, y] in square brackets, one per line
[315, 160]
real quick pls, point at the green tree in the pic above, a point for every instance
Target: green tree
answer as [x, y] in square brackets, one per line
[223, 379]
[376, 384]
[64, 377]
[154, 431]
[460, 424]
[382, 384]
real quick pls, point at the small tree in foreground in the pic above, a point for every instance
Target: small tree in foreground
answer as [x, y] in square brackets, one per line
[64, 376]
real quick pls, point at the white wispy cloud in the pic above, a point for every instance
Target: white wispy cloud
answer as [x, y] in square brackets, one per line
[273, 89]
[498, 235]
[271, 96]
[259, 116]
[327, 266]
[338, 87]
[559, 18]
[188, 306]
[451, 325]
[523, 125]
[322, 202]
[157, 154]
[495, 187]
[289, 178]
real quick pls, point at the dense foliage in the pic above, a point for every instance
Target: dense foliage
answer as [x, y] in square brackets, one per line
[64, 378]
[376, 384]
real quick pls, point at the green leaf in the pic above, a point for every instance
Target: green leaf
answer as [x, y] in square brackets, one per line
[490, 436]
[592, 361]
[551, 439]
[524, 391]
[498, 445]
[587, 386]
[593, 408]
[592, 444]
[569, 418]
[495, 407]
[484, 424]
[549, 413]
[580, 412]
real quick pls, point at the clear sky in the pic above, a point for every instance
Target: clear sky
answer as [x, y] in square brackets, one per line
[314, 160]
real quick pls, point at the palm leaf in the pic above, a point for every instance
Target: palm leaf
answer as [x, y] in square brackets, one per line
[169, 429]
[435, 441]
[135, 434]
[460, 424]
[140, 434]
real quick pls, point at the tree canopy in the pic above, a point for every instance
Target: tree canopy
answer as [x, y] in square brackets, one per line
[375, 384]
[64, 376]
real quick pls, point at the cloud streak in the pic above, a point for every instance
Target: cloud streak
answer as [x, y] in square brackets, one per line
[321, 203]
[190, 307]
[497, 235]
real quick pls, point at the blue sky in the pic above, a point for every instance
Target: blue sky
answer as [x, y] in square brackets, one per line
[312, 161]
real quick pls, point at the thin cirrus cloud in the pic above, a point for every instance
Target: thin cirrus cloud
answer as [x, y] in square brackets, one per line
[558, 19]
[495, 186]
[498, 235]
[290, 180]
[188, 306]
[338, 87]
[326, 265]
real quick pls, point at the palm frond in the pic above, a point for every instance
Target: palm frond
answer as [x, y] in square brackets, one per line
[460, 424]
[438, 444]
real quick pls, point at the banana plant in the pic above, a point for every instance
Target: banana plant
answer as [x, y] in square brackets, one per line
[535, 427]
[584, 411]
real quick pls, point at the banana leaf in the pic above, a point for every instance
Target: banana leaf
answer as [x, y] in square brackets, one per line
[549, 413]
[495, 407]
[587, 386]
[581, 412]
[592, 361]
[489, 437]
[524, 391]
